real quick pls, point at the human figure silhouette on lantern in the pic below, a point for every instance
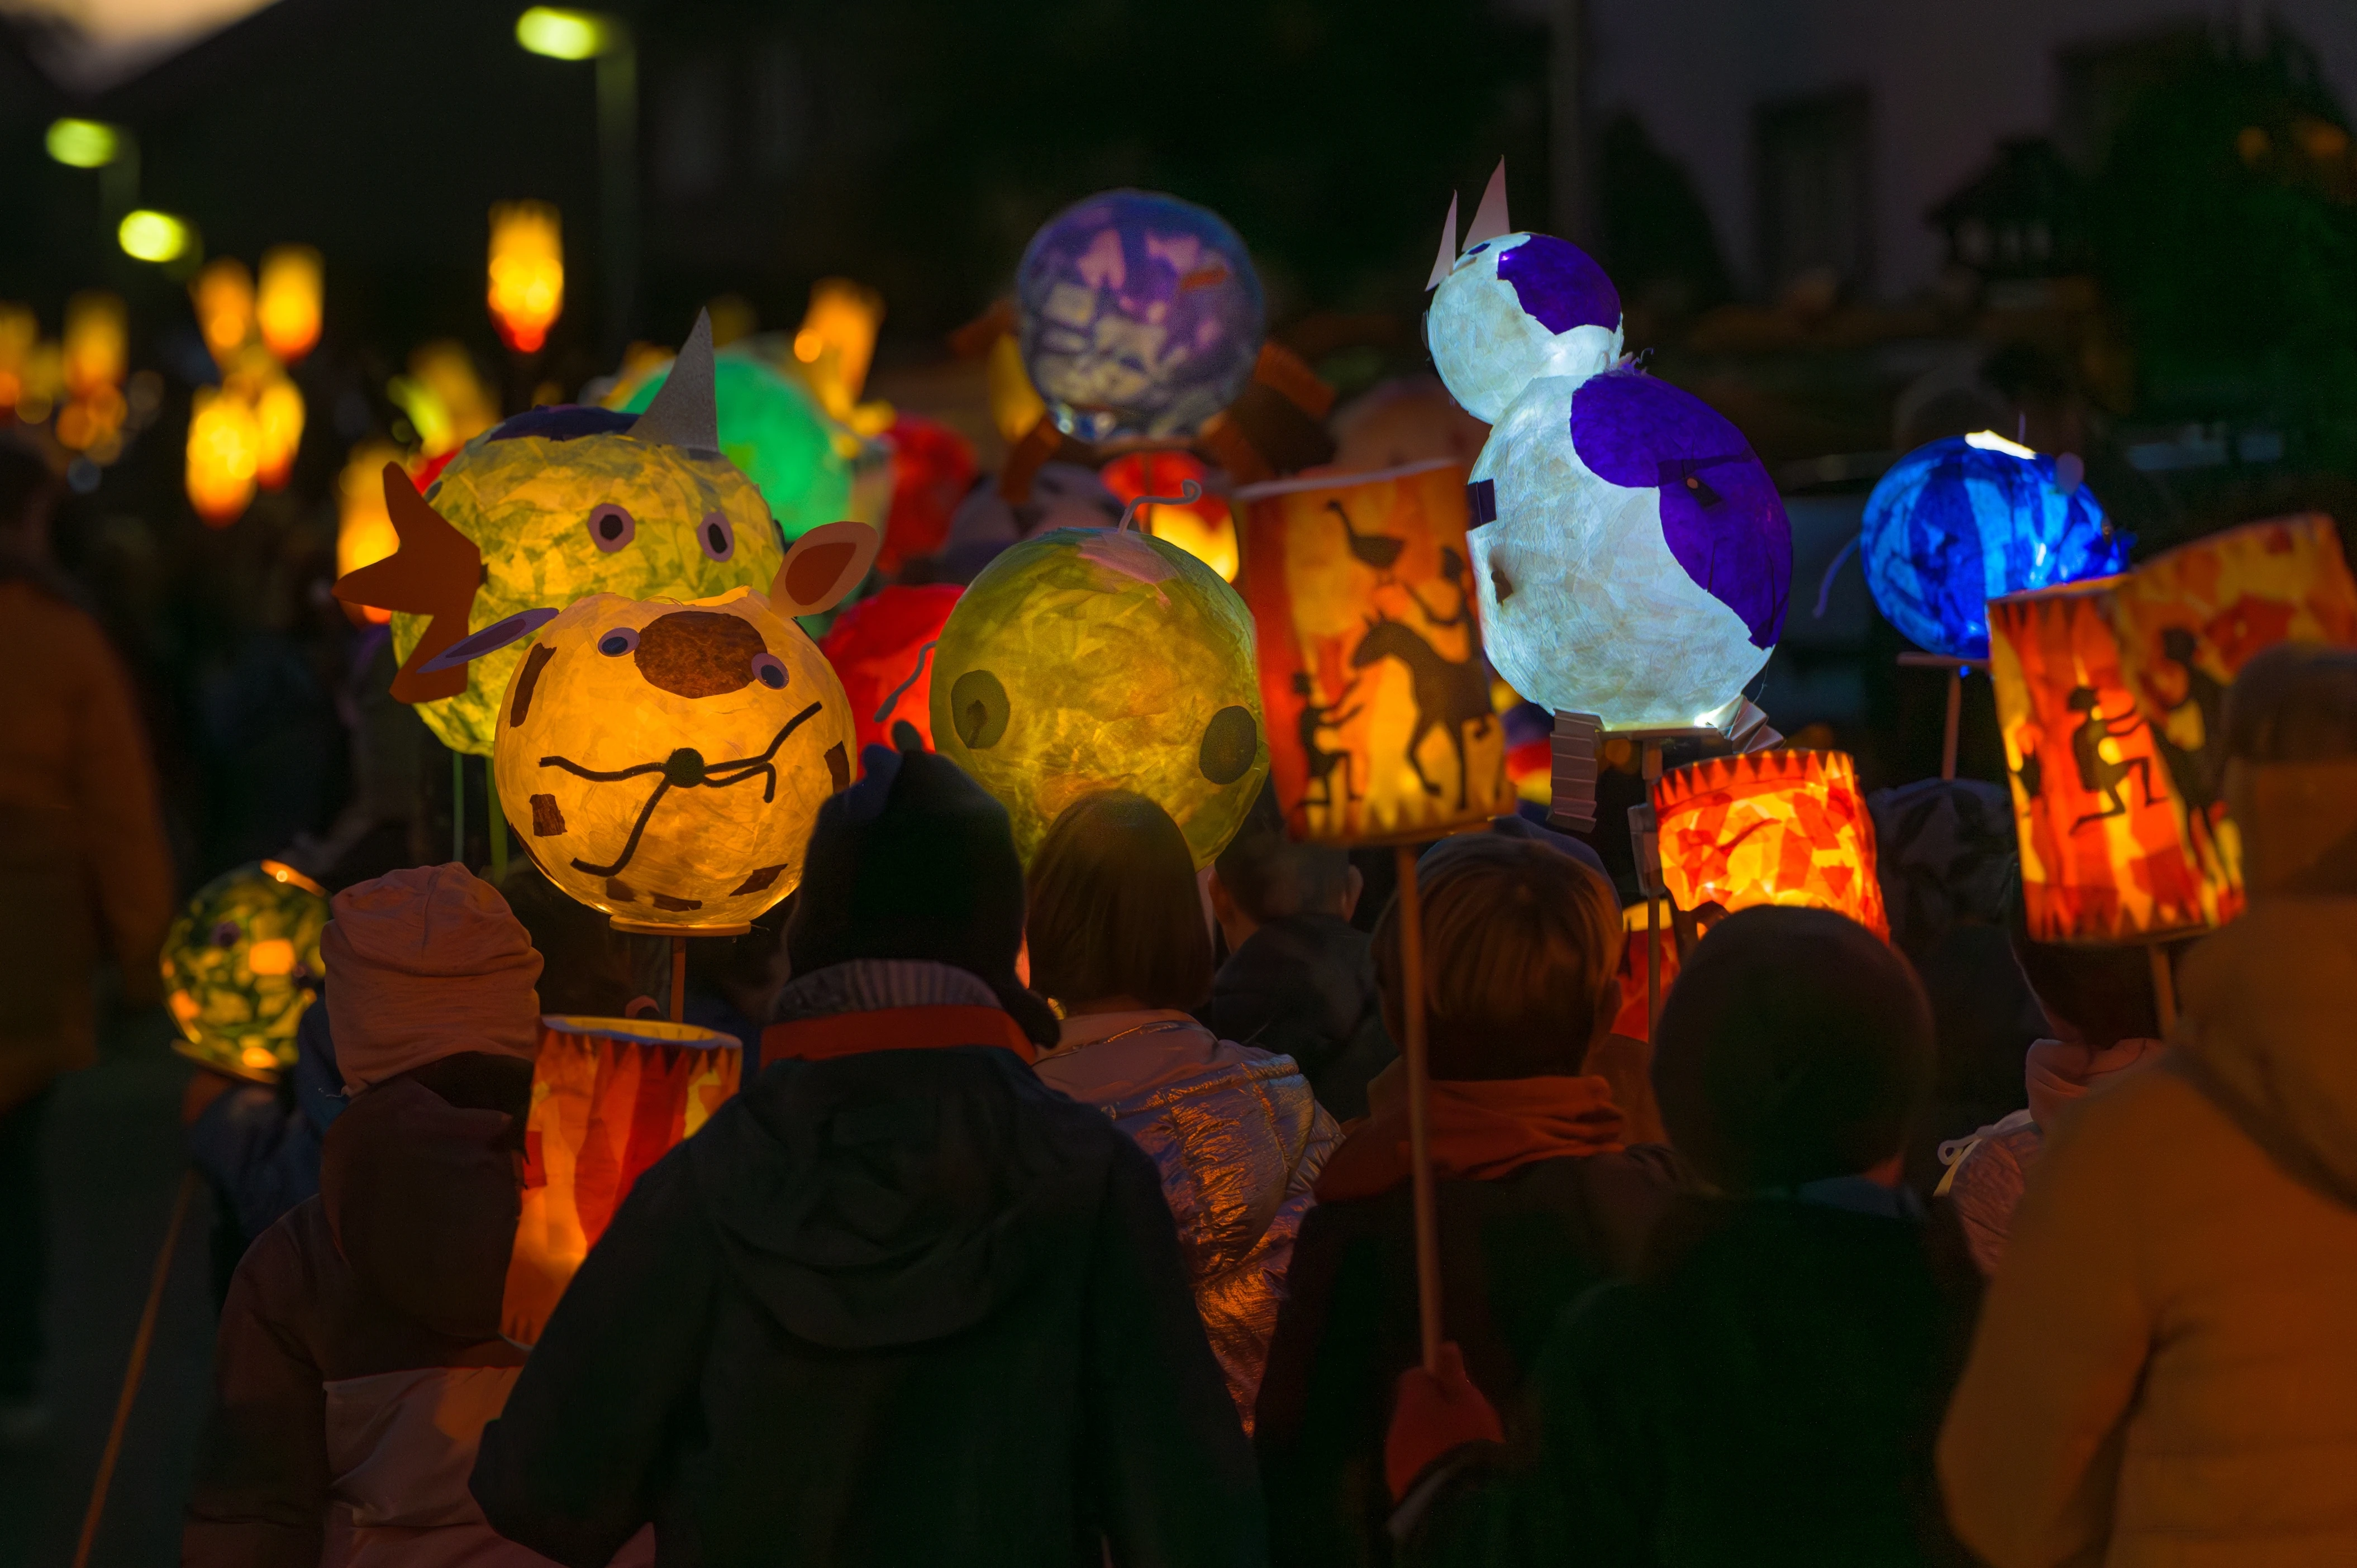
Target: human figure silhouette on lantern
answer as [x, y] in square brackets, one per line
[1450, 691]
[2099, 774]
[1378, 550]
[2206, 695]
[1316, 716]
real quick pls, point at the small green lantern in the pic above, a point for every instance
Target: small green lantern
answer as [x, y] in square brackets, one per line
[240, 966]
[774, 430]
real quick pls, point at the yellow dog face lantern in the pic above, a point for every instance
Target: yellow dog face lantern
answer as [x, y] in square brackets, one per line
[551, 506]
[663, 761]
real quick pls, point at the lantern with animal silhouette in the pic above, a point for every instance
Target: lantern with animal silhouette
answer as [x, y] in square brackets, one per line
[663, 761]
[240, 966]
[1769, 827]
[1088, 659]
[1972, 518]
[882, 650]
[1370, 658]
[1631, 554]
[1139, 316]
[1517, 308]
[610, 1098]
[551, 506]
[773, 429]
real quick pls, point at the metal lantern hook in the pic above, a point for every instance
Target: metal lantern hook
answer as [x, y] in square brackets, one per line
[1189, 492]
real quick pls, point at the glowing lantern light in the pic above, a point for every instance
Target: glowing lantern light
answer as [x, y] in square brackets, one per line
[1204, 527]
[224, 455]
[148, 235]
[881, 648]
[664, 762]
[609, 1097]
[1769, 827]
[547, 509]
[2110, 694]
[1517, 308]
[443, 397]
[1631, 554]
[560, 34]
[240, 966]
[83, 143]
[1086, 659]
[772, 429]
[364, 532]
[278, 429]
[932, 469]
[1970, 519]
[836, 341]
[20, 335]
[1370, 659]
[94, 358]
[1140, 316]
[223, 296]
[527, 272]
[288, 308]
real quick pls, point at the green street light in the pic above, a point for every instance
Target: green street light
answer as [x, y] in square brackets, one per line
[84, 143]
[148, 236]
[560, 34]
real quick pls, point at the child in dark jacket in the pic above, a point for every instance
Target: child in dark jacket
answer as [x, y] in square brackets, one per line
[1768, 1388]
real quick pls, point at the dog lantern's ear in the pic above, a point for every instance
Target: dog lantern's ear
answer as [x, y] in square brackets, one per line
[823, 567]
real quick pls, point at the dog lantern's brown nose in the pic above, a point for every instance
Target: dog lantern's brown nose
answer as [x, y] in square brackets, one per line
[698, 653]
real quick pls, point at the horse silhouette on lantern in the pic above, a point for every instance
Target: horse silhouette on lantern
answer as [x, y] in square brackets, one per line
[1450, 691]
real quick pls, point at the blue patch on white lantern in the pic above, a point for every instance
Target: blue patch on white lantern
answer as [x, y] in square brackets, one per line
[1139, 316]
[1514, 309]
[1969, 519]
[1640, 561]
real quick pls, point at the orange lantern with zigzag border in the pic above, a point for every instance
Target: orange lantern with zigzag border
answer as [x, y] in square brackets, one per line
[1769, 827]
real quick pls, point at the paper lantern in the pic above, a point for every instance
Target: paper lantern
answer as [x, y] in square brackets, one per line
[1204, 527]
[2110, 694]
[663, 762]
[551, 506]
[932, 469]
[527, 272]
[882, 649]
[446, 401]
[222, 293]
[1517, 308]
[1139, 316]
[241, 964]
[1769, 827]
[610, 1098]
[278, 429]
[1635, 560]
[288, 306]
[771, 428]
[1088, 659]
[224, 454]
[837, 340]
[1970, 519]
[1383, 728]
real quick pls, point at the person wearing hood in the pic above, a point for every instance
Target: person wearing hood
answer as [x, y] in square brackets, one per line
[1118, 940]
[1767, 1388]
[898, 1301]
[1538, 1198]
[2165, 1373]
[1300, 978]
[360, 1351]
[2099, 1005]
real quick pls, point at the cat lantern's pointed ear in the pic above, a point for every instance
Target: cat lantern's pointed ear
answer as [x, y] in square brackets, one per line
[823, 567]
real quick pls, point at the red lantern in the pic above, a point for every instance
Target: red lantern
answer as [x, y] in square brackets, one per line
[1769, 827]
[932, 469]
[881, 648]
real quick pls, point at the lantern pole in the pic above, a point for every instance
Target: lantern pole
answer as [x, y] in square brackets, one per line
[1957, 670]
[1648, 877]
[459, 807]
[679, 980]
[498, 825]
[2164, 986]
[1419, 1112]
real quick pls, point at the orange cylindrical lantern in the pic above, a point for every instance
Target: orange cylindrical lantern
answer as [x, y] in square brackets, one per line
[610, 1098]
[1381, 727]
[881, 648]
[1769, 827]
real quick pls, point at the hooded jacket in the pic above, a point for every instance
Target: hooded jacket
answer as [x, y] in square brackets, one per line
[1238, 1141]
[2165, 1370]
[893, 1305]
[360, 1353]
[1303, 986]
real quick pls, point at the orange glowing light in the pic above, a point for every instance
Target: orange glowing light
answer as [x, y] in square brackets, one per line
[289, 302]
[836, 341]
[364, 532]
[224, 455]
[527, 272]
[1205, 529]
[1769, 827]
[96, 344]
[223, 296]
[278, 428]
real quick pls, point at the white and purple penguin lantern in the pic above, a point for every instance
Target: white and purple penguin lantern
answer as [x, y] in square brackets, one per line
[1517, 307]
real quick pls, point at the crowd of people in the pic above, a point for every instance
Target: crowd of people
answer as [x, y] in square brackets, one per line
[1065, 1212]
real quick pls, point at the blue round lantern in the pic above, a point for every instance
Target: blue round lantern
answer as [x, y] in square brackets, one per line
[1969, 519]
[1140, 316]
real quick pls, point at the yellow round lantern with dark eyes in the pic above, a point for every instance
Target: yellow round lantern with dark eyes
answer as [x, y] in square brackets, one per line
[663, 761]
[1089, 658]
[240, 966]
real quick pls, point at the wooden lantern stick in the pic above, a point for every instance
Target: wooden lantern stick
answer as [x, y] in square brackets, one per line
[2164, 986]
[1955, 718]
[1645, 876]
[459, 807]
[679, 980]
[498, 825]
[1419, 1112]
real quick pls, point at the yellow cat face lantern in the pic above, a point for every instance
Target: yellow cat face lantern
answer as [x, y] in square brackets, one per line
[663, 761]
[1090, 659]
[551, 506]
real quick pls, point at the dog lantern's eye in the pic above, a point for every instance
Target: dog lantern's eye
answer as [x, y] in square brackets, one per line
[619, 641]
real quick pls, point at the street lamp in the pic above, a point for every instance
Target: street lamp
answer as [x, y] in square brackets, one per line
[148, 235]
[112, 150]
[555, 33]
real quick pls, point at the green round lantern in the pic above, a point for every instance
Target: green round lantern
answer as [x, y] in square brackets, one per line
[240, 966]
[774, 430]
[1088, 659]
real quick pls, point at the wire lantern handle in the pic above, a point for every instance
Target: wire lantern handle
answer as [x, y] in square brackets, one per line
[1189, 492]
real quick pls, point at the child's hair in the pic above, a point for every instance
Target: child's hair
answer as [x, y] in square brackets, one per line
[1796, 1046]
[2105, 993]
[1271, 875]
[1521, 944]
[1115, 909]
[589, 968]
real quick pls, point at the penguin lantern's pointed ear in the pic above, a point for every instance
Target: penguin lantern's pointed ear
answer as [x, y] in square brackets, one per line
[685, 411]
[822, 566]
